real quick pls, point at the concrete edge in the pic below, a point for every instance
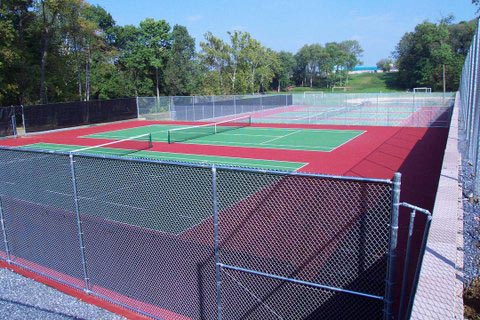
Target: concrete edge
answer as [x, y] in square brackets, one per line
[440, 288]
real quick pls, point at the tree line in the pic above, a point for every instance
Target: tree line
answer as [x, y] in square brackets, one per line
[67, 50]
[432, 53]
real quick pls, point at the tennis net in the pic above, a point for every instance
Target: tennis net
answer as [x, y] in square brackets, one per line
[194, 132]
[120, 147]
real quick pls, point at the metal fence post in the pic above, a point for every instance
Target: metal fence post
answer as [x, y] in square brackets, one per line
[138, 108]
[213, 104]
[4, 232]
[79, 224]
[234, 105]
[14, 123]
[218, 275]
[23, 120]
[473, 100]
[406, 263]
[419, 266]
[392, 251]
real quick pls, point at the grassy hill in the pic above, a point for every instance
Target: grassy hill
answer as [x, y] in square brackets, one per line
[365, 82]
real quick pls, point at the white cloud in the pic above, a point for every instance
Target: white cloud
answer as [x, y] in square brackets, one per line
[357, 37]
[194, 18]
[238, 28]
[374, 18]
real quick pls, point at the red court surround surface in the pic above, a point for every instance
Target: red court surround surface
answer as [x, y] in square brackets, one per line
[378, 153]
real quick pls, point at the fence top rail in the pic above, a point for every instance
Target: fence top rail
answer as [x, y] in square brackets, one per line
[206, 166]
[411, 206]
[72, 102]
[247, 95]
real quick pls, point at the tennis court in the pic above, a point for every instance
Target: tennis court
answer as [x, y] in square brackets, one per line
[341, 115]
[138, 142]
[153, 210]
[170, 156]
[255, 137]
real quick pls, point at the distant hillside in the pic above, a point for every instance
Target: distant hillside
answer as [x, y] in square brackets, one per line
[365, 82]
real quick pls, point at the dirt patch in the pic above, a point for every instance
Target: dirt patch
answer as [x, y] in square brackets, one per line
[471, 299]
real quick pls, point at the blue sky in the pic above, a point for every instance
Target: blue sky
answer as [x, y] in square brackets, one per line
[287, 25]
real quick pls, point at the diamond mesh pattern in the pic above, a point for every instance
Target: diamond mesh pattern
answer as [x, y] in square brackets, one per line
[139, 221]
[306, 228]
[37, 203]
[245, 297]
[148, 235]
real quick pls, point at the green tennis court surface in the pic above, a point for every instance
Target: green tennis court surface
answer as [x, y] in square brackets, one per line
[178, 157]
[254, 137]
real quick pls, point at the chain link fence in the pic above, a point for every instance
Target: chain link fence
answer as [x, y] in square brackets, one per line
[175, 240]
[389, 109]
[189, 241]
[469, 108]
[371, 109]
[37, 118]
[8, 125]
[310, 236]
[205, 108]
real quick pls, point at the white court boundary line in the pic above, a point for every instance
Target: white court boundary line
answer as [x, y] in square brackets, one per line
[114, 142]
[285, 147]
[348, 140]
[249, 145]
[190, 160]
[281, 137]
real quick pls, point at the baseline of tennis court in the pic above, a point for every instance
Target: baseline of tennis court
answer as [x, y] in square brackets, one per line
[177, 157]
[255, 137]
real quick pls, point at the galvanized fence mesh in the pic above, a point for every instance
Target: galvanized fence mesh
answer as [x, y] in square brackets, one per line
[8, 126]
[199, 242]
[372, 109]
[284, 239]
[469, 112]
[205, 108]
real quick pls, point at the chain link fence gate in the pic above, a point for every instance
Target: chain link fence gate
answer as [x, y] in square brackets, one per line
[319, 249]
[199, 242]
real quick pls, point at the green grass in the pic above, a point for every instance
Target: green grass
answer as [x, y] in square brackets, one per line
[373, 82]
[270, 138]
[363, 83]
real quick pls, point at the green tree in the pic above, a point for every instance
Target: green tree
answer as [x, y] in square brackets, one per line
[153, 44]
[142, 53]
[385, 64]
[311, 63]
[351, 53]
[214, 57]
[284, 73]
[180, 70]
[55, 17]
[96, 54]
[243, 65]
[15, 58]
[432, 50]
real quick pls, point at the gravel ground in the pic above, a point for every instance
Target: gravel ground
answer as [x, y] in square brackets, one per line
[471, 222]
[23, 298]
